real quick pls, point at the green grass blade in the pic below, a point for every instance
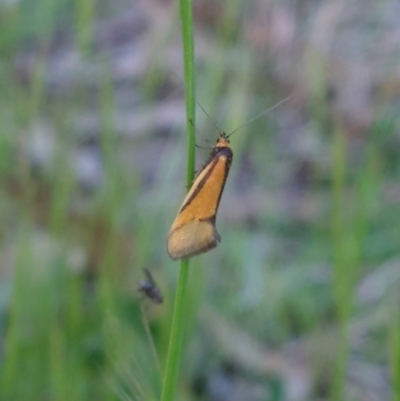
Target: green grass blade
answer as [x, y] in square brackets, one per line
[176, 336]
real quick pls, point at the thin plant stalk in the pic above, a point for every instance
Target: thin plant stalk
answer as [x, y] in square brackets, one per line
[150, 339]
[177, 329]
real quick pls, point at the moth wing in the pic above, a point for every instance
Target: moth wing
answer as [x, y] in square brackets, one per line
[192, 239]
[193, 232]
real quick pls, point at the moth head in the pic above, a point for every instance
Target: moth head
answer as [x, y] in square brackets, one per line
[223, 141]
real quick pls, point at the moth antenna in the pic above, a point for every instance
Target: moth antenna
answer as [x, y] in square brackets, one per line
[259, 115]
[215, 125]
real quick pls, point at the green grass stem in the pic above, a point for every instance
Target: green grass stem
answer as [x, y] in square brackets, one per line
[177, 329]
[176, 336]
[85, 11]
[394, 346]
[342, 261]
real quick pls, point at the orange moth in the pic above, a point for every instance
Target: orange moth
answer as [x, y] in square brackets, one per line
[193, 232]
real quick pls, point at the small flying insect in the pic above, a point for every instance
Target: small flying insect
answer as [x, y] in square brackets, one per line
[149, 288]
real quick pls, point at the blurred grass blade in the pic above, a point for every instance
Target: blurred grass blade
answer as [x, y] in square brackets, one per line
[394, 344]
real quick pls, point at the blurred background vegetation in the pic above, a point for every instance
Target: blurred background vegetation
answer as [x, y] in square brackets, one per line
[301, 299]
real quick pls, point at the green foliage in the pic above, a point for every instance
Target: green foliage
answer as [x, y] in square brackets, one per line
[305, 282]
